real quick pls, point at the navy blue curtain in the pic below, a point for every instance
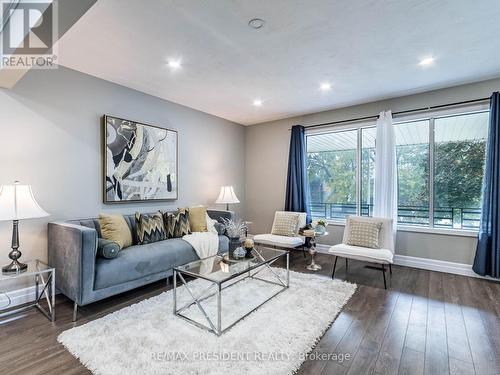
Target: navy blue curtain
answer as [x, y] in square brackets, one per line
[487, 260]
[297, 188]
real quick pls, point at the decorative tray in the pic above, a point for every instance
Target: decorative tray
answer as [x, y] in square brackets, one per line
[226, 259]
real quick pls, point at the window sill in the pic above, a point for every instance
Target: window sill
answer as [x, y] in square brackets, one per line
[415, 229]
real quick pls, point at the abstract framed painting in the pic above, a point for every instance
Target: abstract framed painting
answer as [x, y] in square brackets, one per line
[140, 162]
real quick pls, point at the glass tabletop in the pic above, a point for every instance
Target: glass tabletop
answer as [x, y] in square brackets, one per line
[34, 267]
[218, 269]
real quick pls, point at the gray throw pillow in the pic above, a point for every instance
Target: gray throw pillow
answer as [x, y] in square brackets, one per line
[220, 228]
[107, 249]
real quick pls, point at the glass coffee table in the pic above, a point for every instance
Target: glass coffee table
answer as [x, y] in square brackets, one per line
[215, 275]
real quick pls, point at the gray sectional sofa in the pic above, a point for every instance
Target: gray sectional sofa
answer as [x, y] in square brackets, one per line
[85, 278]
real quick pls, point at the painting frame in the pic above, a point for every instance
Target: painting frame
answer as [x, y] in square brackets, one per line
[105, 161]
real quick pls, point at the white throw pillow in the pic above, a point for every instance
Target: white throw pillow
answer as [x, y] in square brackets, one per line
[211, 225]
[285, 224]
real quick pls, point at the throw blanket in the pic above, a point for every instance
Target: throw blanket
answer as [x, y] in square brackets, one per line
[204, 243]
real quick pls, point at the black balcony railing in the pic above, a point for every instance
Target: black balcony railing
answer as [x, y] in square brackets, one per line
[444, 217]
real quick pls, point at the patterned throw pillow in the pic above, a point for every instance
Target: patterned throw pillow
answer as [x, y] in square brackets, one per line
[285, 224]
[364, 234]
[169, 221]
[150, 228]
[177, 225]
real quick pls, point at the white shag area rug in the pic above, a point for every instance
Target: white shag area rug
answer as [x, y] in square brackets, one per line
[146, 338]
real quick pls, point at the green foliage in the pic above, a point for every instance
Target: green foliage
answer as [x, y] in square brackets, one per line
[459, 169]
[332, 176]
[413, 175]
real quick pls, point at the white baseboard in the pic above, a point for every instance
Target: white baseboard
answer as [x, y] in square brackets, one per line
[17, 297]
[426, 264]
[435, 265]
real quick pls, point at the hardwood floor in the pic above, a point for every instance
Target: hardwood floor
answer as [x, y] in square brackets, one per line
[424, 323]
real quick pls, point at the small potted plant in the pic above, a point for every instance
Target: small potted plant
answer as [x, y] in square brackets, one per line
[319, 226]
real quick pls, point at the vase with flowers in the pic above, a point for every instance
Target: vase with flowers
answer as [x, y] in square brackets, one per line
[319, 226]
[234, 230]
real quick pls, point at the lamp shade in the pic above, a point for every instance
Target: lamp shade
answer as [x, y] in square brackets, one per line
[17, 202]
[227, 195]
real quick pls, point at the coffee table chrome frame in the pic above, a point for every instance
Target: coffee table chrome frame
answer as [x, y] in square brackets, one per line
[216, 327]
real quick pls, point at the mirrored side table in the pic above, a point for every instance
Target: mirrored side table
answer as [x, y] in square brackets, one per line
[313, 266]
[38, 275]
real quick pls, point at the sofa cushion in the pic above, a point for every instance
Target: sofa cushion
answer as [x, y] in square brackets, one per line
[362, 253]
[140, 261]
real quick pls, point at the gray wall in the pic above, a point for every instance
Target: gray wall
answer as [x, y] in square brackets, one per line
[266, 166]
[50, 139]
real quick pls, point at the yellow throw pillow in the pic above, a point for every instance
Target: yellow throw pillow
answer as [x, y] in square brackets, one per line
[198, 219]
[115, 228]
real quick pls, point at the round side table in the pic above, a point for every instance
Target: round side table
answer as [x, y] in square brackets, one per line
[313, 266]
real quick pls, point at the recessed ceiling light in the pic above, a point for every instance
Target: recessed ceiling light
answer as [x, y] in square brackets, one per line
[325, 86]
[174, 64]
[257, 103]
[427, 61]
[256, 23]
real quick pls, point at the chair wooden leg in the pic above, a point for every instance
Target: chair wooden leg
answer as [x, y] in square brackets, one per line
[304, 252]
[383, 273]
[334, 265]
[390, 269]
[346, 266]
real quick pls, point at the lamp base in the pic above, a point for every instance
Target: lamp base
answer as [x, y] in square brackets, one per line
[15, 254]
[15, 267]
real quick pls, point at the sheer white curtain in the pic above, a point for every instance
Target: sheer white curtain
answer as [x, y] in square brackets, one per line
[386, 192]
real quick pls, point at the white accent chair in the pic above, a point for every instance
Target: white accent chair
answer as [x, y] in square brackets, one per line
[286, 242]
[382, 256]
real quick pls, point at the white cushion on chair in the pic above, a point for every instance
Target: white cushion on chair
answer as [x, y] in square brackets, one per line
[273, 239]
[362, 253]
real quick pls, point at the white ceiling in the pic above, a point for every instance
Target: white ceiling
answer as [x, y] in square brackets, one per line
[367, 49]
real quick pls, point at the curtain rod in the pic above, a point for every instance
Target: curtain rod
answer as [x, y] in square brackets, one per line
[397, 113]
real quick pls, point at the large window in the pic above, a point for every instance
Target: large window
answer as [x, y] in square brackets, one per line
[459, 155]
[368, 136]
[412, 159]
[332, 160]
[440, 163]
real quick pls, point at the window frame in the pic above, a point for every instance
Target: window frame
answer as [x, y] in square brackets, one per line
[431, 116]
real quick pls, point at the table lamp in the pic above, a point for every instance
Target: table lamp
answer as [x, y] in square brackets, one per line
[227, 196]
[17, 203]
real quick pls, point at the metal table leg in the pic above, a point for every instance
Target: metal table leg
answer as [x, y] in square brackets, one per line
[312, 250]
